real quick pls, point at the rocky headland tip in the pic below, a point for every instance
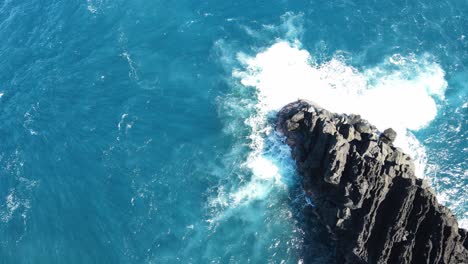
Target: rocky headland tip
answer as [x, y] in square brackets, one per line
[366, 192]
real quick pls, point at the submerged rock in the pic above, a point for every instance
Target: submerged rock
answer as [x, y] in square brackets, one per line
[365, 191]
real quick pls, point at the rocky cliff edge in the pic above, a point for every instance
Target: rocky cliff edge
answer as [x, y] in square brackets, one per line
[365, 190]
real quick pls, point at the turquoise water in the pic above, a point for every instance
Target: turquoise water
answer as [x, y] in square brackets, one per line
[141, 132]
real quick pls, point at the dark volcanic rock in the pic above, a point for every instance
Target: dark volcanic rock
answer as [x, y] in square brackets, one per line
[366, 193]
[388, 136]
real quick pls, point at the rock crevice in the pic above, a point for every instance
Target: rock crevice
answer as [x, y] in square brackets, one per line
[365, 190]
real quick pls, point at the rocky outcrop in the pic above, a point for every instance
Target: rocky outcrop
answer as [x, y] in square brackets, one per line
[365, 191]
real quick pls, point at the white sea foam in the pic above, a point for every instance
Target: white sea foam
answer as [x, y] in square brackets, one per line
[271, 169]
[399, 93]
[94, 6]
[463, 223]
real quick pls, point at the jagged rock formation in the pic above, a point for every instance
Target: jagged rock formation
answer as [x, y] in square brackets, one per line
[366, 193]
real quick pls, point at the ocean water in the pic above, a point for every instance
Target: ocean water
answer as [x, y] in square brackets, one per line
[142, 131]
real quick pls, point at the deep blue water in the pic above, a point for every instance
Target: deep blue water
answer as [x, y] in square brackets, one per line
[125, 137]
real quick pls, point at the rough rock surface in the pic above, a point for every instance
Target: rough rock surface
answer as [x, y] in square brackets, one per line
[366, 193]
